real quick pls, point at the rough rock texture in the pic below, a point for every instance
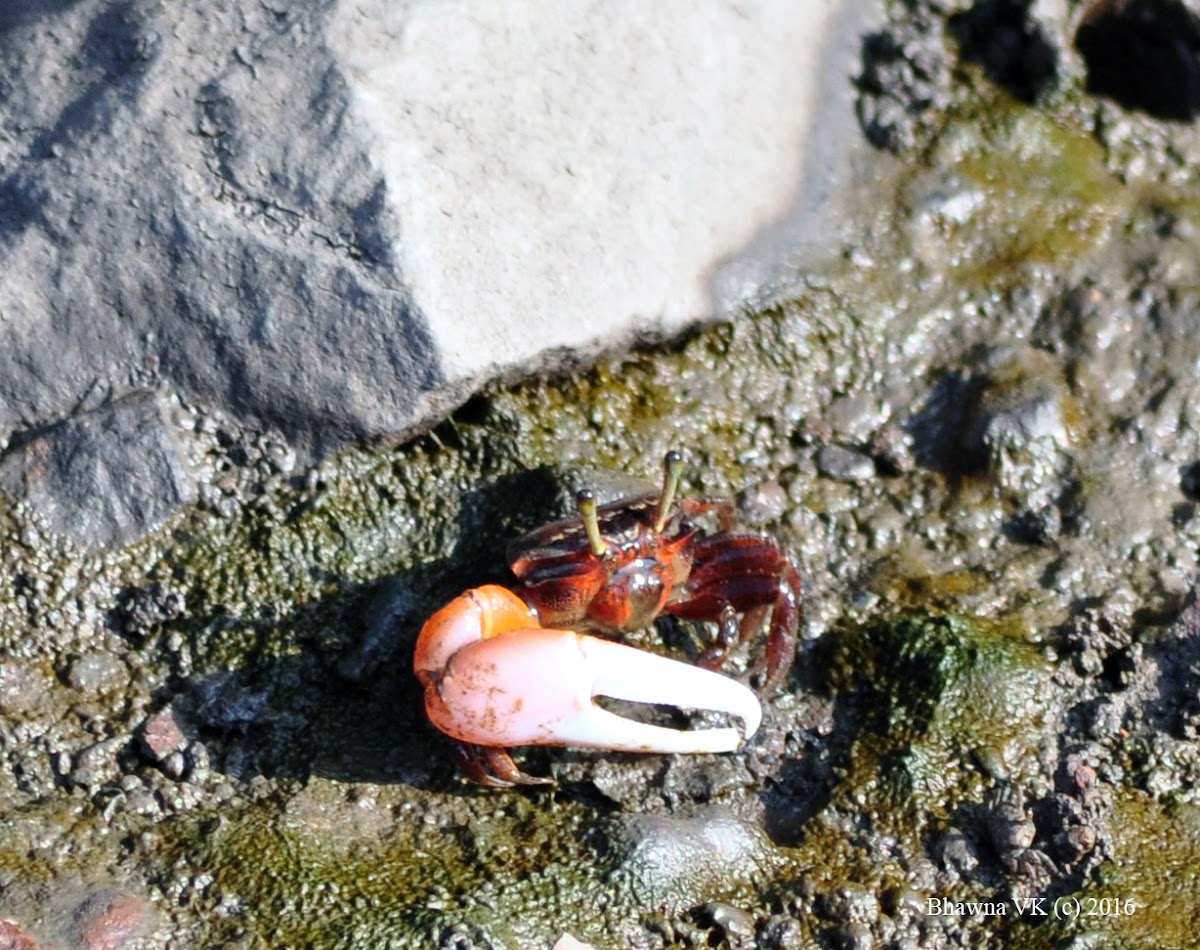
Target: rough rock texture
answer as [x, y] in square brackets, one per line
[102, 477]
[335, 218]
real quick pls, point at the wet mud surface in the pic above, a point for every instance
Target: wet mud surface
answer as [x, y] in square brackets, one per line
[980, 437]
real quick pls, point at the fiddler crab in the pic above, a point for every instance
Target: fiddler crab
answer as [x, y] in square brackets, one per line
[506, 668]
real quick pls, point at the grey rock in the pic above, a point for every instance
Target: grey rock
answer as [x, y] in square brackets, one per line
[336, 219]
[1020, 412]
[855, 936]
[96, 764]
[735, 923]
[104, 477]
[762, 504]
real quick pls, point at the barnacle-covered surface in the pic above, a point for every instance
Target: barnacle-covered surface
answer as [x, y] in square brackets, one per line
[980, 436]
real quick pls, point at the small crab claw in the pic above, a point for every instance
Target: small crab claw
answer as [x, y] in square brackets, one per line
[535, 686]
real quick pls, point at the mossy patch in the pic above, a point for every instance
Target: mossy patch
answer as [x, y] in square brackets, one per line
[946, 706]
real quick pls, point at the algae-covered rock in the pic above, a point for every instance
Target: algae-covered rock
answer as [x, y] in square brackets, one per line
[945, 703]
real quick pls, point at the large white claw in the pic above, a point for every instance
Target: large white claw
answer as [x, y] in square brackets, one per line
[536, 687]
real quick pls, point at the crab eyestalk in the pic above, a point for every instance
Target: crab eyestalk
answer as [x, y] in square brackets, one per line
[585, 502]
[672, 472]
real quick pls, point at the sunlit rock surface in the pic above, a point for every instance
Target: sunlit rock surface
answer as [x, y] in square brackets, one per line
[336, 219]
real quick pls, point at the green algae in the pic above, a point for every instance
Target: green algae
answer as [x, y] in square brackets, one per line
[948, 705]
[1043, 190]
[411, 870]
[312, 875]
[943, 709]
[1155, 865]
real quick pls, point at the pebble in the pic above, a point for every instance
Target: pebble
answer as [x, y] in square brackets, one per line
[98, 673]
[97, 764]
[845, 465]
[855, 936]
[109, 921]
[763, 504]
[852, 904]
[567, 942]
[733, 921]
[856, 417]
[782, 932]
[12, 937]
[162, 735]
[21, 688]
[174, 765]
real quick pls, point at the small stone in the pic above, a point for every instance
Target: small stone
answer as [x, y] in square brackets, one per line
[904, 901]
[163, 736]
[98, 673]
[21, 688]
[12, 937]
[892, 449]
[198, 761]
[174, 765]
[109, 921]
[567, 942]
[97, 764]
[281, 458]
[852, 903]
[763, 504]
[733, 921]
[855, 936]
[855, 417]
[845, 465]
[782, 933]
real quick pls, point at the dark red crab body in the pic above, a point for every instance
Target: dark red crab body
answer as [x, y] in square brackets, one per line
[616, 567]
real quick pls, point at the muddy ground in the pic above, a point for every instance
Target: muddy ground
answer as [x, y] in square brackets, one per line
[980, 436]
